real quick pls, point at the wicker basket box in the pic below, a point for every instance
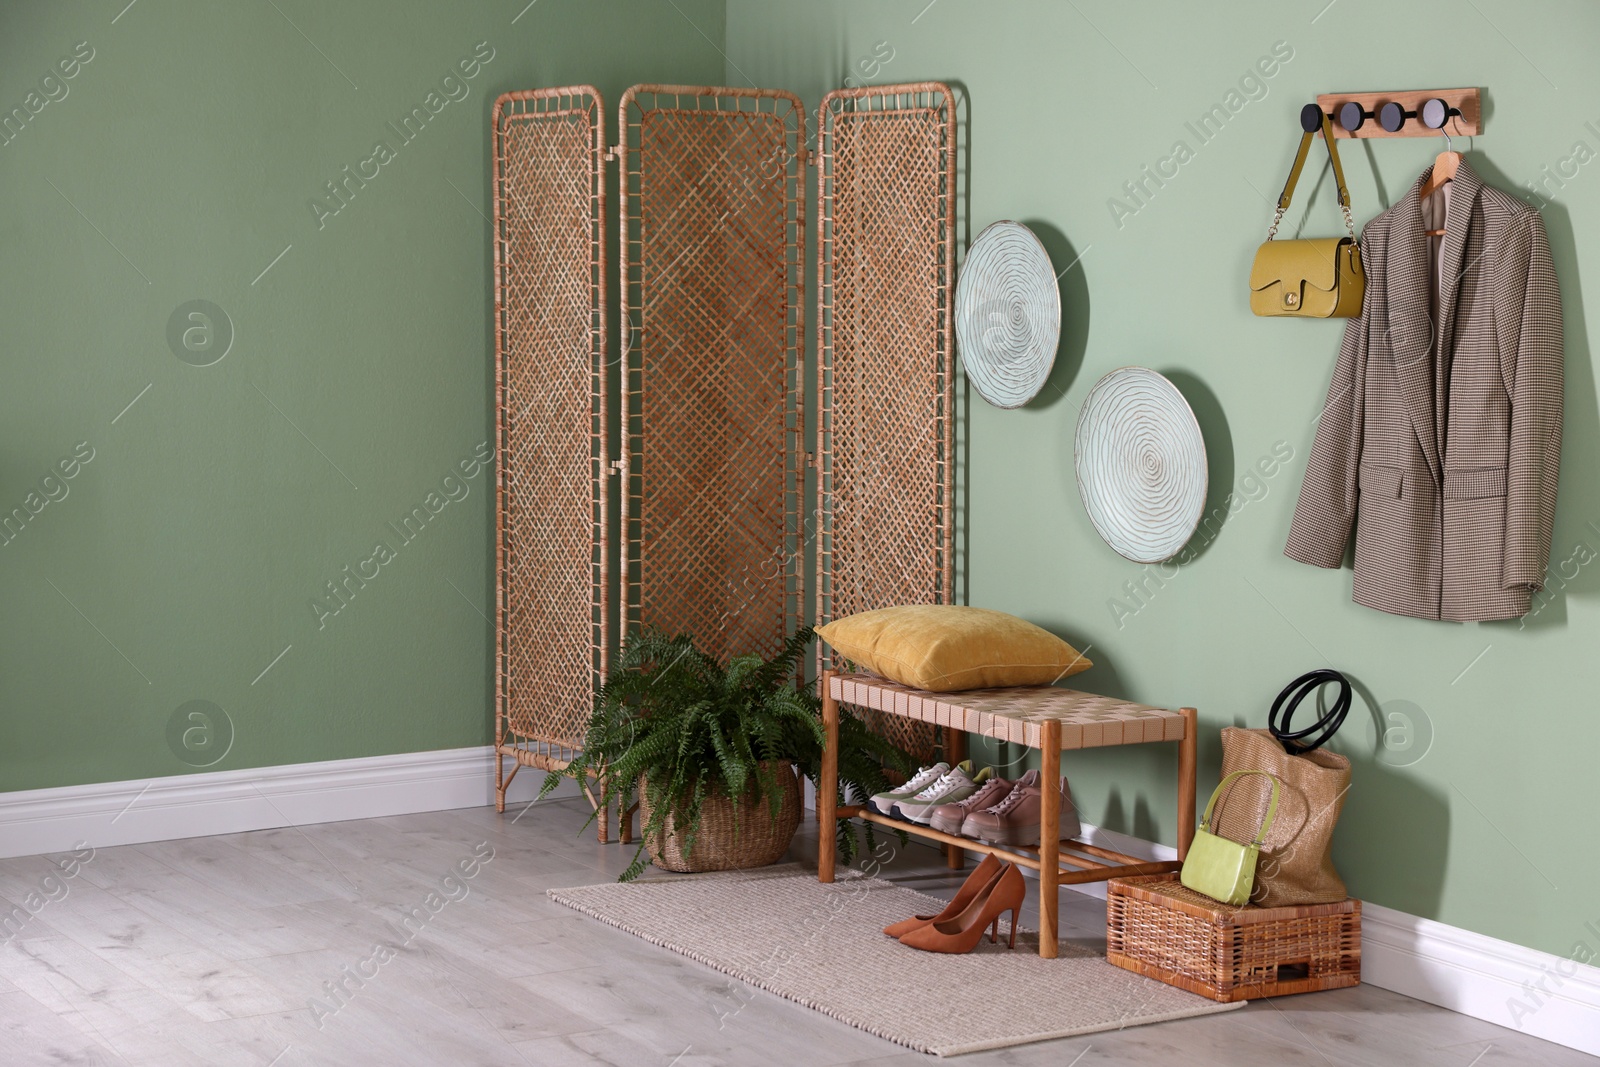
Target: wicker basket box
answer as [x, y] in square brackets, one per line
[1158, 928]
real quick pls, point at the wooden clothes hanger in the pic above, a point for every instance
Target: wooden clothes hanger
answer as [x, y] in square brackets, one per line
[1444, 169]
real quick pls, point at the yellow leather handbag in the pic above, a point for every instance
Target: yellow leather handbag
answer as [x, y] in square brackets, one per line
[1319, 278]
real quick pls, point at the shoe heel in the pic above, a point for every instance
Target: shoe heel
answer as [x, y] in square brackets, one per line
[994, 930]
[1013, 941]
[962, 932]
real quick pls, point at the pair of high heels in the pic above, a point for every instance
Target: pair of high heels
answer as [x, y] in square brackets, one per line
[992, 889]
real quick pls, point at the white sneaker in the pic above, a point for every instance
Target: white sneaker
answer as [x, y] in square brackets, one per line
[883, 803]
[951, 788]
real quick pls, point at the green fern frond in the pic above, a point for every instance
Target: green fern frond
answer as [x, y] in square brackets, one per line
[692, 728]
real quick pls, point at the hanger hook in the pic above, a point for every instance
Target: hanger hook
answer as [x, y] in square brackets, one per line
[1449, 146]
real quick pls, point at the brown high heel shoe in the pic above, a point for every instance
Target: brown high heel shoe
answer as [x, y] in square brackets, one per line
[976, 882]
[962, 932]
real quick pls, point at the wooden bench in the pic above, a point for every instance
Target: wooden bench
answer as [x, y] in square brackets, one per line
[1047, 718]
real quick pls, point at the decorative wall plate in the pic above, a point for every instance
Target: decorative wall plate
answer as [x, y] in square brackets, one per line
[1141, 464]
[1008, 314]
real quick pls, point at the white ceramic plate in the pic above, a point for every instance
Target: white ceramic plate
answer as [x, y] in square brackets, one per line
[1008, 315]
[1141, 464]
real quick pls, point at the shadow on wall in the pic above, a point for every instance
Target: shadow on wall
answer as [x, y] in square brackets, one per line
[1377, 176]
[963, 101]
[1142, 824]
[1073, 285]
[1391, 812]
[1218, 437]
[1101, 678]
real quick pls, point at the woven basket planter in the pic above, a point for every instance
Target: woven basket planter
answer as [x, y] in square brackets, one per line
[759, 841]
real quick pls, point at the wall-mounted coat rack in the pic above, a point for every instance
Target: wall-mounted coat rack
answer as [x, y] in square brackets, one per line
[1412, 113]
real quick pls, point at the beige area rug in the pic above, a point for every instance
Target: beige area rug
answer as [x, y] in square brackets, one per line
[781, 930]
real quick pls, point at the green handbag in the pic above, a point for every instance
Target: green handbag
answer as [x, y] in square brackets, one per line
[1318, 278]
[1222, 869]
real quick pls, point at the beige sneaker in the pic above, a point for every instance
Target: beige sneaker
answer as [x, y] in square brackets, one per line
[949, 818]
[1015, 820]
[953, 787]
[883, 803]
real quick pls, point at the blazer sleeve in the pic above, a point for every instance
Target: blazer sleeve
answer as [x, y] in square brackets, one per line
[1327, 507]
[1534, 380]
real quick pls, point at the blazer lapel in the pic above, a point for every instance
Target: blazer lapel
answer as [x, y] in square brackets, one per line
[1410, 322]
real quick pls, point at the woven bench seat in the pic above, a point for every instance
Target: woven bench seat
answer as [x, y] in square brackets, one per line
[1015, 713]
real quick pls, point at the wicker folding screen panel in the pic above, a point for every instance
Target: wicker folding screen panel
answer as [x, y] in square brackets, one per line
[885, 362]
[552, 617]
[712, 233]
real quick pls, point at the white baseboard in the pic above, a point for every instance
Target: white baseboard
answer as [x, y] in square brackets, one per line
[229, 802]
[1486, 978]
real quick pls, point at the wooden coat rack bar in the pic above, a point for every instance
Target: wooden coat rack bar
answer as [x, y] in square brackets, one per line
[1465, 117]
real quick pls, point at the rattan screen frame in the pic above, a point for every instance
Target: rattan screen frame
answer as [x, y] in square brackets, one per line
[930, 578]
[538, 731]
[784, 167]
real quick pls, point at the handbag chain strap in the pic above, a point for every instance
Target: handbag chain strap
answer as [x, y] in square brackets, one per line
[1294, 176]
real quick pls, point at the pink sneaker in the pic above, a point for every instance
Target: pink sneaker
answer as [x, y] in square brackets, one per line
[1015, 819]
[948, 818]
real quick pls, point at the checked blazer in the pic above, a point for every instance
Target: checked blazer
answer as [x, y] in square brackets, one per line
[1440, 441]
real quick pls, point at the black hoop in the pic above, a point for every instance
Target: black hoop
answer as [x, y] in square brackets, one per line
[1294, 741]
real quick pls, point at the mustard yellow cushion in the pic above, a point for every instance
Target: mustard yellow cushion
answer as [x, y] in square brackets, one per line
[944, 647]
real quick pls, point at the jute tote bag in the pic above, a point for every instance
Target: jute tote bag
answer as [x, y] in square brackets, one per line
[1296, 862]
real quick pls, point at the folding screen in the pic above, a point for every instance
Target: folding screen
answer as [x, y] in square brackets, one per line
[551, 531]
[885, 360]
[712, 233]
[711, 419]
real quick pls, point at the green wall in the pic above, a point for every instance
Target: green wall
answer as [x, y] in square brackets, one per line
[184, 556]
[1064, 103]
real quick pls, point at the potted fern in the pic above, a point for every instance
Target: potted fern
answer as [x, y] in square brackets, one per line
[714, 752]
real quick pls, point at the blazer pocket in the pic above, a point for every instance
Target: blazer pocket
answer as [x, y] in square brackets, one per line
[1388, 482]
[1474, 482]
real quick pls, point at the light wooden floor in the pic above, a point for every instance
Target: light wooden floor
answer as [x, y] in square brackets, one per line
[209, 951]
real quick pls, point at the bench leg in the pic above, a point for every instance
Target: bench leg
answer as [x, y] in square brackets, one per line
[1188, 749]
[1049, 834]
